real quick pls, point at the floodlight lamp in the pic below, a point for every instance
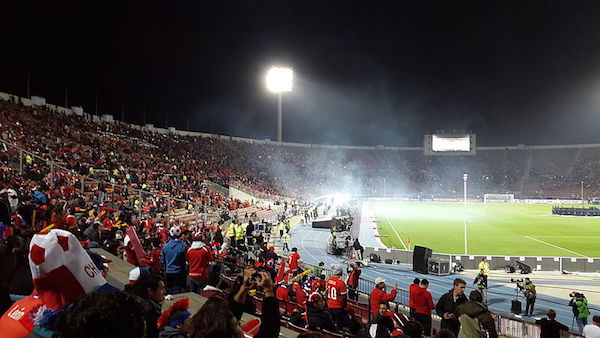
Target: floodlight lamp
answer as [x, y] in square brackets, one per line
[465, 176]
[279, 79]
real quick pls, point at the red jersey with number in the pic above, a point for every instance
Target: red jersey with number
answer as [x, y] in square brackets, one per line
[336, 289]
[293, 261]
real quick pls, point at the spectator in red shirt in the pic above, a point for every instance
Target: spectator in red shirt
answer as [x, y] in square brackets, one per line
[293, 259]
[336, 297]
[198, 256]
[379, 296]
[352, 280]
[423, 306]
[412, 289]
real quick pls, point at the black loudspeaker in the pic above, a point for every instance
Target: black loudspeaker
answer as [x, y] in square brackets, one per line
[421, 257]
[322, 224]
[389, 261]
[525, 269]
[374, 258]
[515, 307]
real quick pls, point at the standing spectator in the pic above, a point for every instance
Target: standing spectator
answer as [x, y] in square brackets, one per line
[250, 234]
[336, 297]
[423, 306]
[412, 290]
[379, 296]
[174, 262]
[446, 305]
[530, 296]
[198, 256]
[4, 208]
[285, 241]
[550, 327]
[352, 281]
[592, 330]
[580, 309]
[358, 249]
[293, 260]
[475, 319]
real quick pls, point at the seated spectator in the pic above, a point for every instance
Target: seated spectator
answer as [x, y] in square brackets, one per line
[101, 315]
[317, 314]
[215, 319]
[151, 289]
[176, 320]
[212, 289]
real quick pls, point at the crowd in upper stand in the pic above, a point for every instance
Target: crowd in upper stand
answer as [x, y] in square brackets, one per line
[180, 165]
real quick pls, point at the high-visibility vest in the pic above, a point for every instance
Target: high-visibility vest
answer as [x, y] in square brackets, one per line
[239, 232]
[28, 159]
[485, 266]
[230, 230]
[286, 238]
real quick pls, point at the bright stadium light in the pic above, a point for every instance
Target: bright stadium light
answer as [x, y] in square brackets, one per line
[279, 80]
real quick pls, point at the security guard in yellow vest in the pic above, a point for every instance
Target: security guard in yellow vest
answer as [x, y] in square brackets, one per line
[230, 233]
[240, 233]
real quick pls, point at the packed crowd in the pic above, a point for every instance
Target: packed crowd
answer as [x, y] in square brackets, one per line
[183, 166]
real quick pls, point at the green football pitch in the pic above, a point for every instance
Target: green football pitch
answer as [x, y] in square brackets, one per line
[492, 229]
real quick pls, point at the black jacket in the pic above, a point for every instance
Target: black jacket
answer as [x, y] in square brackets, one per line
[446, 304]
[319, 318]
[550, 328]
[269, 323]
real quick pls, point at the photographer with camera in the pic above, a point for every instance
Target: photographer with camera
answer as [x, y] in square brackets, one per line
[580, 307]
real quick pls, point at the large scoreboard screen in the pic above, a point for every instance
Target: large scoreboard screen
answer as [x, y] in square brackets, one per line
[449, 144]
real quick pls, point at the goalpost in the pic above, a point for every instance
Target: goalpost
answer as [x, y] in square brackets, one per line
[498, 198]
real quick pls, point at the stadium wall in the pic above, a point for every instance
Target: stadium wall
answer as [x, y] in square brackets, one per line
[538, 263]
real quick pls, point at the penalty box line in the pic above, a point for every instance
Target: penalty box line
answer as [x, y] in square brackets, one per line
[555, 246]
[396, 232]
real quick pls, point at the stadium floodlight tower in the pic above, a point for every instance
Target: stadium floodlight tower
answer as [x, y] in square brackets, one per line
[279, 80]
[465, 178]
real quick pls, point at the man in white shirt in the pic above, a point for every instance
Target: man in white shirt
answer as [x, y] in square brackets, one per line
[592, 330]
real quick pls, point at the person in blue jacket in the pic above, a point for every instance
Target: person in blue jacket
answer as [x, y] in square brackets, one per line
[174, 262]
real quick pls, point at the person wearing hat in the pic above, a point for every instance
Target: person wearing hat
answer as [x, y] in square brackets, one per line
[378, 295]
[136, 273]
[337, 297]
[174, 262]
[174, 322]
[317, 315]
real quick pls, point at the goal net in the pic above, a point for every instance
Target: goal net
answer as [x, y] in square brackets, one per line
[498, 198]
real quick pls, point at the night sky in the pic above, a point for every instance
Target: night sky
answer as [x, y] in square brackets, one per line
[366, 73]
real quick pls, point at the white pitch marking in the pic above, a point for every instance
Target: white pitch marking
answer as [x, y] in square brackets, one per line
[556, 246]
[396, 232]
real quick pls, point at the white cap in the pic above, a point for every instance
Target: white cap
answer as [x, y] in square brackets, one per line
[379, 280]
